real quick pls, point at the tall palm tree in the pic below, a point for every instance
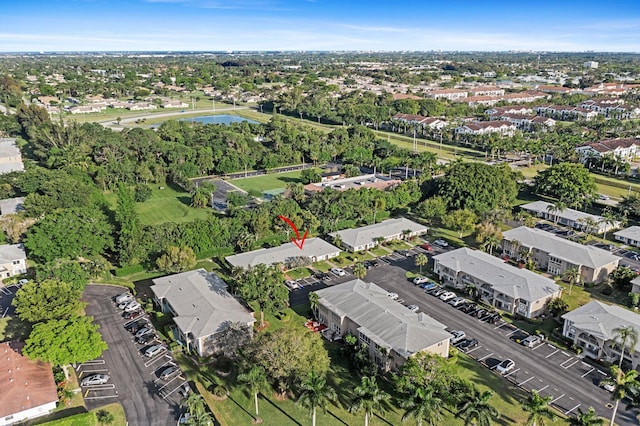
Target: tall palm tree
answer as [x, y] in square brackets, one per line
[256, 381]
[315, 394]
[368, 398]
[625, 336]
[573, 276]
[421, 260]
[359, 270]
[622, 384]
[314, 301]
[491, 242]
[538, 408]
[586, 418]
[476, 409]
[423, 406]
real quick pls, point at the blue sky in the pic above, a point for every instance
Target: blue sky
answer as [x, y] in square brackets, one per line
[99, 25]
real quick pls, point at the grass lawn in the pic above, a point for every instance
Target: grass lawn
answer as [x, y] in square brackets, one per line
[267, 182]
[170, 204]
[379, 251]
[296, 274]
[89, 418]
[11, 328]
[398, 245]
[322, 266]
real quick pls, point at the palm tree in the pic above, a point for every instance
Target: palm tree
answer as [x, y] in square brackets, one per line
[476, 409]
[515, 247]
[423, 405]
[378, 204]
[359, 270]
[538, 408]
[196, 407]
[314, 301]
[573, 276]
[608, 219]
[586, 418]
[315, 394]
[368, 398]
[421, 260]
[622, 383]
[556, 209]
[625, 336]
[256, 381]
[491, 242]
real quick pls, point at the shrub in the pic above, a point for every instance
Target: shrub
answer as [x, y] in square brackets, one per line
[607, 290]
[142, 193]
[104, 417]
[220, 391]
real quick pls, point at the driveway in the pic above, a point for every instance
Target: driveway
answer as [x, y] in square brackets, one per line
[133, 380]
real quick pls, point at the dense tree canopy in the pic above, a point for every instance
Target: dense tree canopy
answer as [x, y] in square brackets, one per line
[570, 183]
[47, 300]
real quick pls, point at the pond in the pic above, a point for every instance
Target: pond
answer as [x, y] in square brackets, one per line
[219, 119]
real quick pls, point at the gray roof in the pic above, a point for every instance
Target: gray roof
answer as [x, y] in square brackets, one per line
[11, 205]
[366, 234]
[504, 278]
[570, 251]
[631, 233]
[388, 323]
[281, 254]
[601, 320]
[201, 302]
[11, 252]
[569, 214]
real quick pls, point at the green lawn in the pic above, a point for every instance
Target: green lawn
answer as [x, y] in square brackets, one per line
[267, 182]
[322, 266]
[379, 251]
[296, 274]
[170, 204]
[89, 418]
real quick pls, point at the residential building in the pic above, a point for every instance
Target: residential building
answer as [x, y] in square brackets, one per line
[11, 205]
[527, 122]
[373, 181]
[623, 148]
[557, 255]
[555, 90]
[28, 388]
[591, 65]
[419, 120]
[391, 332]
[13, 260]
[369, 236]
[575, 219]
[174, 103]
[315, 249]
[593, 327]
[202, 309]
[474, 101]
[486, 91]
[485, 127]
[567, 113]
[511, 289]
[630, 235]
[513, 109]
[450, 94]
[10, 156]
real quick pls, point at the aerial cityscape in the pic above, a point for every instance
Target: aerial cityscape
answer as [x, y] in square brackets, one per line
[319, 213]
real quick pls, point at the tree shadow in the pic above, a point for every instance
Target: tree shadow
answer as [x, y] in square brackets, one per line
[282, 411]
[242, 408]
[16, 329]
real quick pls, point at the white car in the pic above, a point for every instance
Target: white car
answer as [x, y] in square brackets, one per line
[441, 243]
[457, 336]
[124, 298]
[413, 308]
[154, 350]
[457, 301]
[505, 366]
[531, 341]
[447, 296]
[94, 379]
[132, 306]
[392, 296]
[22, 282]
[339, 272]
[420, 280]
[291, 284]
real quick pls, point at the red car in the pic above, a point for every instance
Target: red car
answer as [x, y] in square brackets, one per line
[133, 315]
[427, 246]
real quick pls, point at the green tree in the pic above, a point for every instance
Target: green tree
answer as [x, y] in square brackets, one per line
[197, 409]
[368, 398]
[538, 409]
[47, 300]
[558, 306]
[476, 409]
[625, 336]
[263, 285]
[433, 209]
[310, 176]
[65, 341]
[256, 381]
[570, 182]
[142, 193]
[424, 406]
[314, 301]
[104, 417]
[621, 277]
[287, 354]
[421, 260]
[623, 383]
[460, 221]
[315, 393]
[177, 259]
[586, 418]
[359, 270]
[488, 236]
[572, 275]
[128, 226]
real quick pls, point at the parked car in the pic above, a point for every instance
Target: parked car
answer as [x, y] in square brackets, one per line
[457, 336]
[405, 253]
[420, 280]
[427, 246]
[413, 308]
[505, 366]
[439, 292]
[94, 379]
[132, 306]
[123, 298]
[532, 340]
[22, 282]
[456, 301]
[441, 243]
[291, 284]
[494, 318]
[169, 371]
[479, 313]
[144, 330]
[428, 286]
[147, 338]
[367, 264]
[136, 325]
[323, 276]
[154, 350]
[433, 289]
[392, 296]
[610, 387]
[468, 344]
[469, 308]
[124, 305]
[133, 314]
[339, 272]
[447, 296]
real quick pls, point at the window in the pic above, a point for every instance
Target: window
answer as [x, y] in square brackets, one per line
[364, 339]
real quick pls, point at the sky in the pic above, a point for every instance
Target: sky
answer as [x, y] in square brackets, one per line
[345, 25]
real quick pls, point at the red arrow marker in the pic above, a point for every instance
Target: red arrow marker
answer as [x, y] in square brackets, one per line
[297, 241]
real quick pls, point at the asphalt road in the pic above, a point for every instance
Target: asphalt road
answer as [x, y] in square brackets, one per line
[134, 381]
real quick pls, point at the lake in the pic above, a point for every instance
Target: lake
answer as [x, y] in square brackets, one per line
[219, 119]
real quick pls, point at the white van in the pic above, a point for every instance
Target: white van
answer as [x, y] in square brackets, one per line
[123, 298]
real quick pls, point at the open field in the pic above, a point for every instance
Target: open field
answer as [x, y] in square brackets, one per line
[267, 182]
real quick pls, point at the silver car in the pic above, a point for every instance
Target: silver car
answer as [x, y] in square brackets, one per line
[154, 350]
[95, 379]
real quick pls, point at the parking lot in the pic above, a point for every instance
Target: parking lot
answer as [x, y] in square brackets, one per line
[134, 378]
[6, 297]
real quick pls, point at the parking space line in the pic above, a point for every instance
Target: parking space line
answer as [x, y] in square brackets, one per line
[170, 381]
[501, 325]
[94, 371]
[570, 365]
[522, 383]
[568, 411]
[477, 347]
[513, 372]
[101, 387]
[543, 388]
[588, 372]
[485, 357]
[602, 372]
[553, 353]
[101, 397]
[178, 388]
[556, 399]
[564, 353]
[539, 346]
[5, 312]
[512, 332]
